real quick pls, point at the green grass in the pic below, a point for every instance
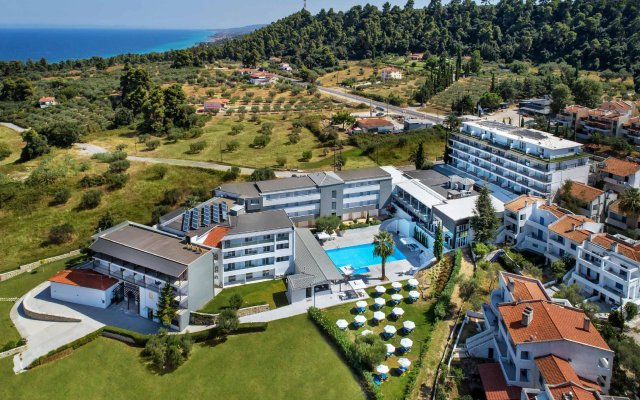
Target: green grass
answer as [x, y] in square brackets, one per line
[14, 141]
[271, 292]
[396, 149]
[290, 360]
[416, 312]
[19, 286]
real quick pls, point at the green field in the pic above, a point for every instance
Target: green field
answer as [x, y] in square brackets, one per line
[14, 141]
[271, 292]
[290, 360]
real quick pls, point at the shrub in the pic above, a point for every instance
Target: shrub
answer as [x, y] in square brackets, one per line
[261, 141]
[106, 221]
[91, 199]
[281, 161]
[235, 301]
[232, 146]
[89, 181]
[61, 196]
[228, 321]
[152, 144]
[61, 234]
[306, 155]
[168, 352]
[372, 350]
[327, 223]
[262, 174]
[171, 197]
[157, 172]
[5, 151]
[158, 212]
[116, 180]
[119, 166]
[197, 147]
[231, 174]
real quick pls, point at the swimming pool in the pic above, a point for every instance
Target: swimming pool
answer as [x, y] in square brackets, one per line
[360, 257]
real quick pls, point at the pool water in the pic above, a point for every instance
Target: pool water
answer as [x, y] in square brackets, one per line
[360, 257]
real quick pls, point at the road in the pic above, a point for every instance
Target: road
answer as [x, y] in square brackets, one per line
[89, 149]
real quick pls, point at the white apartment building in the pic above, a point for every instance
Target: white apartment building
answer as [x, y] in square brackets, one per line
[619, 175]
[523, 161]
[523, 329]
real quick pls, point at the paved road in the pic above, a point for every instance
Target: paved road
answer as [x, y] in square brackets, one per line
[13, 127]
[91, 149]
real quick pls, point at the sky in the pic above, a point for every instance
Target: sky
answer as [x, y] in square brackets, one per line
[166, 14]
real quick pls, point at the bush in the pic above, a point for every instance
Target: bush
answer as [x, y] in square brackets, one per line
[61, 196]
[327, 223]
[228, 321]
[281, 161]
[372, 350]
[116, 181]
[306, 155]
[442, 306]
[119, 166]
[235, 301]
[157, 172]
[197, 147]
[152, 144]
[261, 141]
[171, 197]
[105, 222]
[168, 352]
[91, 199]
[89, 181]
[5, 151]
[232, 146]
[61, 234]
[231, 174]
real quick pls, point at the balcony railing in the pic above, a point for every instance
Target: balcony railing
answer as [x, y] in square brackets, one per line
[234, 245]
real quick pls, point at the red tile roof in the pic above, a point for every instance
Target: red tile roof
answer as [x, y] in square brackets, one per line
[555, 210]
[575, 109]
[556, 370]
[619, 167]
[84, 278]
[578, 392]
[605, 241]
[217, 101]
[584, 192]
[47, 99]
[570, 227]
[551, 322]
[494, 384]
[525, 288]
[518, 203]
[216, 235]
[371, 123]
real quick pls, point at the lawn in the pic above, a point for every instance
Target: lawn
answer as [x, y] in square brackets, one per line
[416, 312]
[290, 360]
[13, 141]
[396, 149]
[19, 286]
[271, 292]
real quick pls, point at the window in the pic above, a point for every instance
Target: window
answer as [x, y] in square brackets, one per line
[282, 246]
[334, 205]
[249, 275]
[232, 279]
[524, 355]
[231, 266]
[265, 273]
[282, 259]
[334, 194]
[573, 246]
[619, 286]
[522, 217]
[524, 375]
[541, 221]
[282, 236]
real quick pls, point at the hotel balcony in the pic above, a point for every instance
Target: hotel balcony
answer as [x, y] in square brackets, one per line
[252, 242]
[148, 279]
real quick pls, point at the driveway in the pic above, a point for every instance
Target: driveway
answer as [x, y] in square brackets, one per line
[45, 336]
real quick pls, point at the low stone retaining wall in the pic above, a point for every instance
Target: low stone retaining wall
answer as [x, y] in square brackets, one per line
[118, 337]
[204, 319]
[43, 316]
[28, 267]
[13, 351]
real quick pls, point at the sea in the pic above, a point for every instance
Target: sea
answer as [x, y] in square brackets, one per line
[59, 44]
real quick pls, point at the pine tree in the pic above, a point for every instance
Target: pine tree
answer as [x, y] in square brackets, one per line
[438, 245]
[484, 221]
[166, 308]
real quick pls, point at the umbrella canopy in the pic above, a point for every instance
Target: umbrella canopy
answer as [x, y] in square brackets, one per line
[360, 319]
[379, 301]
[366, 332]
[361, 304]
[382, 369]
[414, 294]
[390, 348]
[342, 324]
[396, 285]
[380, 289]
[398, 311]
[390, 329]
[404, 362]
[409, 325]
[396, 297]
[413, 282]
[379, 315]
[406, 342]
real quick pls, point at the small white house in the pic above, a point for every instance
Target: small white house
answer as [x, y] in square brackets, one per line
[83, 286]
[391, 73]
[285, 67]
[45, 102]
[215, 104]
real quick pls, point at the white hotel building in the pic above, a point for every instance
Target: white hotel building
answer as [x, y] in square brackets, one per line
[517, 159]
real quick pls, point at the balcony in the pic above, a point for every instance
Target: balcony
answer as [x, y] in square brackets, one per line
[235, 245]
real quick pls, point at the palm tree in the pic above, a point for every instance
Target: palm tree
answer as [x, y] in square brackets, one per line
[383, 247]
[452, 121]
[630, 205]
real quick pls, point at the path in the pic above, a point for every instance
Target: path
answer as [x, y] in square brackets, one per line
[89, 149]
[14, 127]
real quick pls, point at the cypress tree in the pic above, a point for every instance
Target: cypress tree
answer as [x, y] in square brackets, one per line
[419, 161]
[166, 309]
[438, 245]
[484, 221]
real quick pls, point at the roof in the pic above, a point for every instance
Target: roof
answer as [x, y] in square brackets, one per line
[217, 101]
[575, 108]
[494, 384]
[391, 69]
[311, 259]
[618, 105]
[619, 167]
[216, 235]
[371, 123]
[571, 227]
[551, 322]
[578, 392]
[260, 222]
[460, 209]
[422, 193]
[521, 202]
[147, 247]
[361, 174]
[538, 138]
[556, 371]
[605, 241]
[325, 178]
[278, 185]
[525, 288]
[555, 210]
[86, 278]
[245, 189]
[47, 99]
[584, 192]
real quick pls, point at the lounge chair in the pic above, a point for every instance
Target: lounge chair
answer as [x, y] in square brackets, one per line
[377, 379]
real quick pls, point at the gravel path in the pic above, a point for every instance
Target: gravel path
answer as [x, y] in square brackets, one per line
[12, 126]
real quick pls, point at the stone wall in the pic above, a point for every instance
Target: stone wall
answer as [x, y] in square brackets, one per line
[13, 351]
[36, 264]
[43, 316]
[204, 319]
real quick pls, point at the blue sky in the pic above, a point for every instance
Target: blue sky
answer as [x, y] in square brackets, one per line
[194, 14]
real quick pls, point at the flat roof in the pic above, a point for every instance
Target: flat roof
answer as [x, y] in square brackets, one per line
[278, 185]
[422, 193]
[532, 136]
[259, 222]
[361, 174]
[459, 209]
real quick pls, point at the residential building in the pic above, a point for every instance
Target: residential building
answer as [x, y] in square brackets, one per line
[216, 105]
[607, 123]
[526, 333]
[567, 234]
[416, 56]
[522, 161]
[45, 102]
[390, 73]
[608, 269]
[619, 174]
[374, 125]
[350, 194]
[263, 78]
[535, 107]
[620, 221]
[411, 124]
[589, 201]
[572, 116]
[285, 67]
[275, 60]
[631, 130]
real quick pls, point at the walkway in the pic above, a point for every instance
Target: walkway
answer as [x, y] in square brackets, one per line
[45, 336]
[14, 127]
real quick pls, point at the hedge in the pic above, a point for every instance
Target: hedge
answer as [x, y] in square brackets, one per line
[12, 344]
[348, 350]
[445, 296]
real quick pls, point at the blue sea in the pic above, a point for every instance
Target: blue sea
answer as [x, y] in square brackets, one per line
[62, 44]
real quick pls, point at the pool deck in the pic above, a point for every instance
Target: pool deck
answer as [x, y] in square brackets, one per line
[396, 270]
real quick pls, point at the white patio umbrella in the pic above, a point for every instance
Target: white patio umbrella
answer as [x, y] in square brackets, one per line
[378, 315]
[406, 342]
[390, 329]
[409, 325]
[360, 319]
[404, 362]
[414, 294]
[366, 332]
[380, 289]
[398, 311]
[342, 324]
[396, 285]
[396, 297]
[390, 348]
[380, 301]
[413, 282]
[361, 304]
[382, 369]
